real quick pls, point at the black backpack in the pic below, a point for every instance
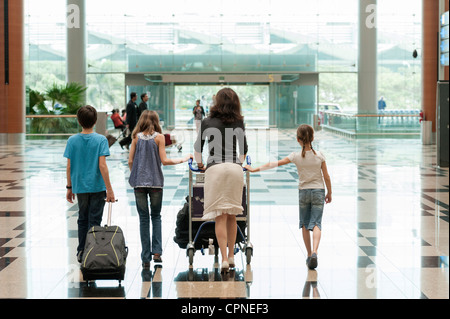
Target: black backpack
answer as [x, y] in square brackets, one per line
[105, 253]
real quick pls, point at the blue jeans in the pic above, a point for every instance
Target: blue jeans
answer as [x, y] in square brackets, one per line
[153, 246]
[90, 214]
[311, 203]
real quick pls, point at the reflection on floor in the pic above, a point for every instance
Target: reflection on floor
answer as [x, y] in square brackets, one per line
[385, 235]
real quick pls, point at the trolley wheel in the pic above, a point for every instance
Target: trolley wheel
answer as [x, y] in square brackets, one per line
[248, 254]
[191, 256]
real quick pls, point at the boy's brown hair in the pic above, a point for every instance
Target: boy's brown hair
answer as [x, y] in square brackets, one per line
[87, 116]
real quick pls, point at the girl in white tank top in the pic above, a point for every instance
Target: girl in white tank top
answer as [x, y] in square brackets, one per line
[313, 174]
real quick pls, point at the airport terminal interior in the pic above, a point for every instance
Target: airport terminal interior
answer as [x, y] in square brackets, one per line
[370, 76]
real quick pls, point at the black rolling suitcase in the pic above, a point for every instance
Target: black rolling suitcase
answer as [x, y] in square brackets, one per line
[105, 253]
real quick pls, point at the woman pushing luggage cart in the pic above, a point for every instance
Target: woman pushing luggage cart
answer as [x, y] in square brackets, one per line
[223, 181]
[202, 232]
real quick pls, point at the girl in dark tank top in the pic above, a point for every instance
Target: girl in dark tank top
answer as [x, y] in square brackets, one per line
[147, 153]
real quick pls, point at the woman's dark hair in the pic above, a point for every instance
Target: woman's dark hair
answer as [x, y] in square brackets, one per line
[87, 116]
[227, 107]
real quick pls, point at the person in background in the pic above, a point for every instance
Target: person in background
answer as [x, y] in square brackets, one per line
[381, 107]
[143, 105]
[117, 120]
[131, 119]
[381, 104]
[199, 113]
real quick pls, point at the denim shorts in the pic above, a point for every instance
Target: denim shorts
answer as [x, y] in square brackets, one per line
[311, 203]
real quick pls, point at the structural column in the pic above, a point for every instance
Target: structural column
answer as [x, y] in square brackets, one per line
[430, 62]
[76, 42]
[12, 76]
[367, 104]
[367, 57]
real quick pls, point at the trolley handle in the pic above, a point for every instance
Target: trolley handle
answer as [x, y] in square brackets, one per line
[109, 212]
[249, 162]
[192, 168]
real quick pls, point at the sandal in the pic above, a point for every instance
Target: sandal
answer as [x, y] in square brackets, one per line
[225, 267]
[157, 258]
[313, 261]
[231, 262]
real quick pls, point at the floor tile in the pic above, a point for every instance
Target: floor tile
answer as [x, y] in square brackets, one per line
[385, 234]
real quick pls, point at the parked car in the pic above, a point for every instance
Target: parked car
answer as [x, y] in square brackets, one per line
[327, 107]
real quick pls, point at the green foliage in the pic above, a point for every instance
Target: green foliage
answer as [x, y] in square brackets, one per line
[69, 97]
[106, 91]
[58, 99]
[42, 74]
[340, 88]
[53, 125]
[36, 102]
[106, 86]
[400, 88]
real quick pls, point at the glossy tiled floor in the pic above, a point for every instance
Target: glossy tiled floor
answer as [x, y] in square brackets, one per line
[385, 235]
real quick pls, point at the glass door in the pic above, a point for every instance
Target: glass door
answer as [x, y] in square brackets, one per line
[254, 103]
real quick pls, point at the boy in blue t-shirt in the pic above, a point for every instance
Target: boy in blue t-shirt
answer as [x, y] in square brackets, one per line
[87, 174]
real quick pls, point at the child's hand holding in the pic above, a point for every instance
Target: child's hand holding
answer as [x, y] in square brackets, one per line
[187, 157]
[249, 168]
[110, 198]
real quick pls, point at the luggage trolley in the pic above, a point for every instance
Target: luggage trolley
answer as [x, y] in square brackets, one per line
[196, 213]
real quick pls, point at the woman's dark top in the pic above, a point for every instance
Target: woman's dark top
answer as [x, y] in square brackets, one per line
[223, 140]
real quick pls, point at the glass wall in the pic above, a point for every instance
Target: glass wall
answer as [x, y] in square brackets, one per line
[399, 34]
[45, 44]
[159, 97]
[213, 37]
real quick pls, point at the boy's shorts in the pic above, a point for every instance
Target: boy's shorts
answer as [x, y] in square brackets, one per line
[311, 203]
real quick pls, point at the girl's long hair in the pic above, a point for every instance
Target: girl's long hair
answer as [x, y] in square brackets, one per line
[227, 106]
[148, 122]
[305, 134]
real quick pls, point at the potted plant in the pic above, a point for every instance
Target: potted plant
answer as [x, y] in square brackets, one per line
[56, 100]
